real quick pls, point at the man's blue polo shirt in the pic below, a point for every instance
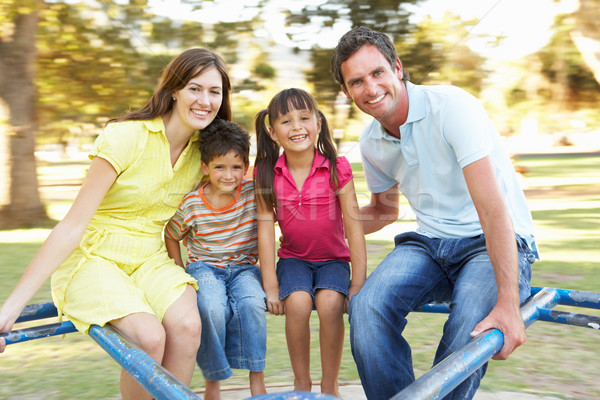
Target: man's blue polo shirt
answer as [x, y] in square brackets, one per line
[446, 129]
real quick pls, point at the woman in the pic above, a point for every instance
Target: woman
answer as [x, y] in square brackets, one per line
[106, 257]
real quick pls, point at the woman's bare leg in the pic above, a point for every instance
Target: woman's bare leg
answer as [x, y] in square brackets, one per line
[182, 326]
[147, 333]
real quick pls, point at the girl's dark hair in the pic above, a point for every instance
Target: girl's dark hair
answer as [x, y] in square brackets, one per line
[178, 73]
[268, 149]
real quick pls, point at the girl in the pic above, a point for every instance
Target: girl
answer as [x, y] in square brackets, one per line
[107, 258]
[307, 190]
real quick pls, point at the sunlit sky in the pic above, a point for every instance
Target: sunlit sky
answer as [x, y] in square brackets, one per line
[524, 23]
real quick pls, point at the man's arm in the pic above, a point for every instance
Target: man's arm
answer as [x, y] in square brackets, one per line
[382, 211]
[502, 249]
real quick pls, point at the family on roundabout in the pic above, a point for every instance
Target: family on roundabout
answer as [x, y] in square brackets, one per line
[174, 173]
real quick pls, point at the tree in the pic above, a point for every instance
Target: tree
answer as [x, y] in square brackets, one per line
[88, 62]
[20, 202]
[571, 80]
[435, 52]
[389, 16]
[586, 34]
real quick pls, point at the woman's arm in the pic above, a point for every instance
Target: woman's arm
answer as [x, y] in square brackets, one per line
[266, 255]
[61, 242]
[355, 236]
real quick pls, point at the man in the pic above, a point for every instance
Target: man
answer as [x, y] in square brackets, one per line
[474, 245]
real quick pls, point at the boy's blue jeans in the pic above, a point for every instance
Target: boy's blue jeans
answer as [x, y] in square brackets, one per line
[418, 271]
[232, 307]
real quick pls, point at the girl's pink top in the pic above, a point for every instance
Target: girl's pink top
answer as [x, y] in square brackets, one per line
[310, 218]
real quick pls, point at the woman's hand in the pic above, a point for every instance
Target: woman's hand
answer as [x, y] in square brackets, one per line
[6, 323]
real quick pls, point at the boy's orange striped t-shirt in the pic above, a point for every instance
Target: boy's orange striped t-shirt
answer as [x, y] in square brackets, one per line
[220, 236]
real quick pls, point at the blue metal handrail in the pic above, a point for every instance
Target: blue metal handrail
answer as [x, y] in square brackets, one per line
[159, 382]
[452, 371]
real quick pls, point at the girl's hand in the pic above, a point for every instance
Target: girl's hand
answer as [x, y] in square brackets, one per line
[351, 292]
[273, 304]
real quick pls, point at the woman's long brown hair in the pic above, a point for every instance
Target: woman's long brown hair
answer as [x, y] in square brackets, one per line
[175, 76]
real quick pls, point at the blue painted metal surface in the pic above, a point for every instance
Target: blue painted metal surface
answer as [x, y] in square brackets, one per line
[449, 373]
[37, 332]
[294, 396]
[569, 318]
[159, 382]
[37, 311]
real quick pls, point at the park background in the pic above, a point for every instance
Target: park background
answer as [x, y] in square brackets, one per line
[67, 66]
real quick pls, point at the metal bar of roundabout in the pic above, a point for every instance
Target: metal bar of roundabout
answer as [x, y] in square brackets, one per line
[435, 384]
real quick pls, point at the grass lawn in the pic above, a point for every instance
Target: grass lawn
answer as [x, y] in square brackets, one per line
[563, 193]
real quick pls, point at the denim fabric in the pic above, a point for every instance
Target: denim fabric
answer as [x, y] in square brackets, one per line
[420, 270]
[232, 306]
[295, 274]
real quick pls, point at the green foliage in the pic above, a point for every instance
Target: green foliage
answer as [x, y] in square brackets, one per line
[90, 68]
[562, 63]
[389, 16]
[325, 87]
[435, 53]
[97, 60]
[264, 70]
[431, 52]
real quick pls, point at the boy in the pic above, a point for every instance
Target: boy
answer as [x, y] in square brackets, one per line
[217, 223]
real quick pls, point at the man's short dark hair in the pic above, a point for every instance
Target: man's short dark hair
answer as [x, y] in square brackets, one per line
[356, 38]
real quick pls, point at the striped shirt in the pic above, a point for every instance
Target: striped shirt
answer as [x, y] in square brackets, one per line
[218, 236]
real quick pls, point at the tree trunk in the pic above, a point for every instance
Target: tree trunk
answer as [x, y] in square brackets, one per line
[20, 203]
[586, 34]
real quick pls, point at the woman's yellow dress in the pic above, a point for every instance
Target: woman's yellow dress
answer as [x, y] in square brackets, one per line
[121, 265]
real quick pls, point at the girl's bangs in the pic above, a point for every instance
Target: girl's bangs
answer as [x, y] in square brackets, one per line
[291, 100]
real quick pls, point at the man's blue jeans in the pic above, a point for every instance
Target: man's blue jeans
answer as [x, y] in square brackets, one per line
[232, 307]
[418, 271]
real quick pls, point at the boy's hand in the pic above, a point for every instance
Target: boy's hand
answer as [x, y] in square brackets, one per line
[273, 304]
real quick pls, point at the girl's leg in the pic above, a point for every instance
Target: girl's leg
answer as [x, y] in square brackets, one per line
[212, 390]
[146, 332]
[298, 306]
[330, 307]
[257, 383]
